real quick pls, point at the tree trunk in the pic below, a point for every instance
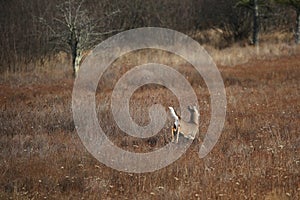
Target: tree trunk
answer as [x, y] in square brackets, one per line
[74, 49]
[74, 57]
[297, 38]
[255, 36]
[77, 64]
[73, 43]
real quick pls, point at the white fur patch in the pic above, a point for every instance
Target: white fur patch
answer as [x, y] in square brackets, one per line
[173, 113]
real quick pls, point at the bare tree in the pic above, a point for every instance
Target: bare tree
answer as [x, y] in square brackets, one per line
[255, 6]
[74, 31]
[295, 4]
[236, 22]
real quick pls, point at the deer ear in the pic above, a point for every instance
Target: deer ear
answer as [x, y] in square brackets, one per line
[195, 108]
[190, 107]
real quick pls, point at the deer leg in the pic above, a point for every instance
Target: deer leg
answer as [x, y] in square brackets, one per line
[173, 132]
[177, 136]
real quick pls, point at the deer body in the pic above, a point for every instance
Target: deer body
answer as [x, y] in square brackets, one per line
[189, 128]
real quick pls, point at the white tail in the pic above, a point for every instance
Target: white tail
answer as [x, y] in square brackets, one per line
[187, 129]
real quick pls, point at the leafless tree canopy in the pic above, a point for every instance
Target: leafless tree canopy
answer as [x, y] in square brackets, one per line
[75, 31]
[32, 30]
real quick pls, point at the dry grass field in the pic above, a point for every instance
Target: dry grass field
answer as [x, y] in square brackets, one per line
[256, 157]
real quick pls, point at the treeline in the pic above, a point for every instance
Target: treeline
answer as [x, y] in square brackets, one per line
[28, 27]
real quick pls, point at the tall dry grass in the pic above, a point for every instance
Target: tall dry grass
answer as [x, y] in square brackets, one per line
[257, 156]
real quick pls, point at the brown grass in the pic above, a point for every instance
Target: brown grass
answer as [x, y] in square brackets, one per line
[257, 156]
[236, 55]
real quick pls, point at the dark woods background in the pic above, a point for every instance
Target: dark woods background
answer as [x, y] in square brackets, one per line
[26, 36]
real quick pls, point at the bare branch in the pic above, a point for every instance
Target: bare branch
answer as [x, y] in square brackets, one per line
[74, 31]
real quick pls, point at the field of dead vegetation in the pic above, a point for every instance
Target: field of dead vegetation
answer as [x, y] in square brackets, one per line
[256, 157]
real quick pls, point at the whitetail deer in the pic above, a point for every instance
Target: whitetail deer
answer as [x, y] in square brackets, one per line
[187, 129]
